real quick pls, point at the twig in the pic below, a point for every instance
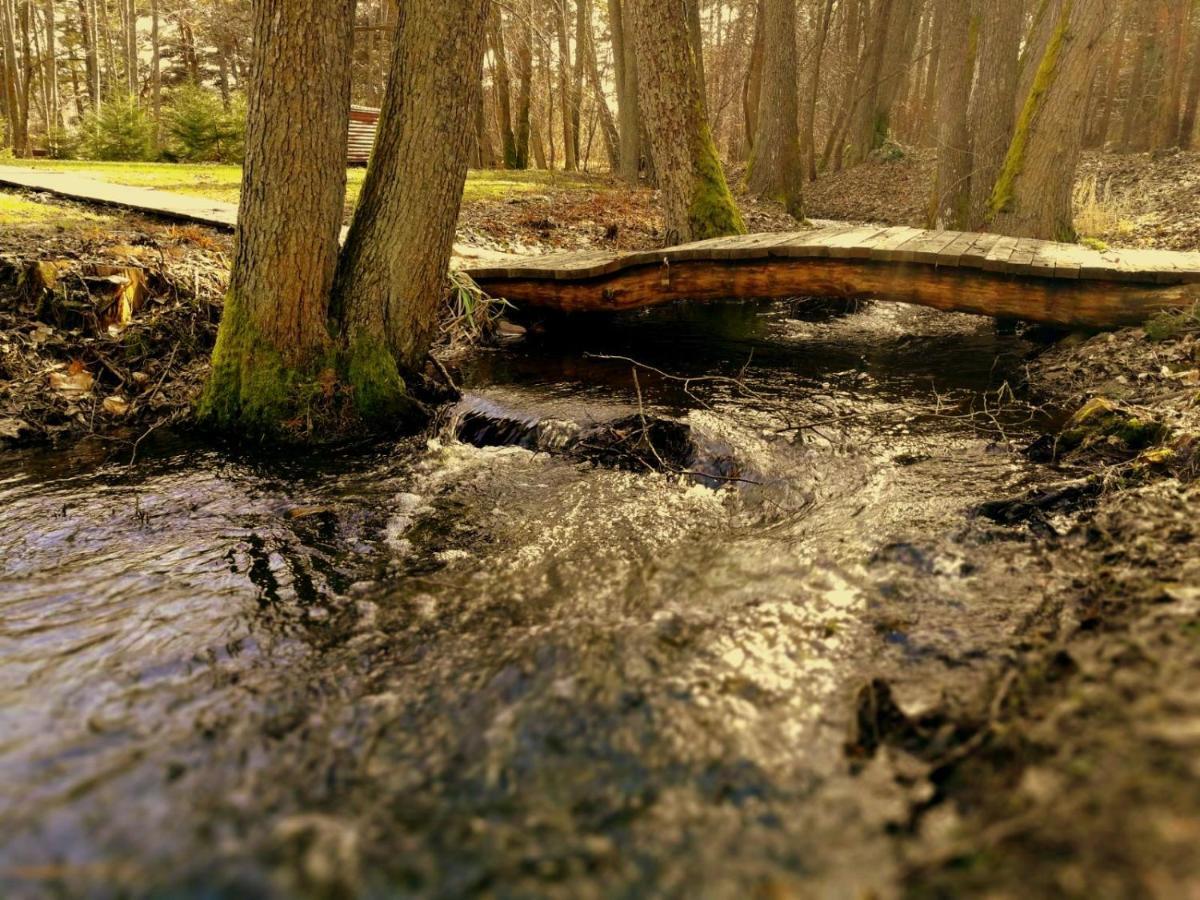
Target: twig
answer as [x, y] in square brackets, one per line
[445, 374]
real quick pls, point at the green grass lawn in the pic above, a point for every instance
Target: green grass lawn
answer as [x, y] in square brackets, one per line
[17, 211]
[223, 182]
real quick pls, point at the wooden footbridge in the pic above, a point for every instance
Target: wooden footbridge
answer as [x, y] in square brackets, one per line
[993, 275]
[989, 274]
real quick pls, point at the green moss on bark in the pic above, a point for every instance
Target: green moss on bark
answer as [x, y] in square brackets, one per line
[712, 211]
[251, 388]
[255, 392]
[1004, 192]
[377, 388]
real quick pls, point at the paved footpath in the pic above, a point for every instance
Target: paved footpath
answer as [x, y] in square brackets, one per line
[180, 207]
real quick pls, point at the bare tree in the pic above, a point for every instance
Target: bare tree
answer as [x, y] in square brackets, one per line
[696, 200]
[1032, 196]
[274, 336]
[391, 278]
[776, 167]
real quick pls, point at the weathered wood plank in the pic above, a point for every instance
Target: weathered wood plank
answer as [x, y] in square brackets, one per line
[977, 254]
[850, 244]
[952, 254]
[1054, 301]
[930, 249]
[810, 244]
[999, 254]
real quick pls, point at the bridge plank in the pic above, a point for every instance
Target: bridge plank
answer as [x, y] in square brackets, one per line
[998, 256]
[975, 256]
[952, 253]
[886, 244]
[931, 248]
[892, 248]
[854, 244]
[810, 244]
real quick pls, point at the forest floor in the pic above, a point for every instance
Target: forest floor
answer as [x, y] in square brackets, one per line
[1122, 200]
[1075, 772]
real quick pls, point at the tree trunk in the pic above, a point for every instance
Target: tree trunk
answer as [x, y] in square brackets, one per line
[1187, 127]
[696, 199]
[696, 42]
[1033, 48]
[808, 151]
[993, 101]
[131, 47]
[885, 63]
[391, 278]
[776, 167]
[583, 28]
[90, 58]
[951, 202]
[53, 116]
[16, 82]
[485, 153]
[274, 338]
[608, 126]
[156, 71]
[1032, 197]
[752, 85]
[508, 139]
[629, 114]
[933, 73]
[1131, 136]
[524, 91]
[1170, 98]
[570, 162]
[1099, 134]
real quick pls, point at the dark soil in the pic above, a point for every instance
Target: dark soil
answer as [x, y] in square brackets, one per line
[1074, 773]
[64, 372]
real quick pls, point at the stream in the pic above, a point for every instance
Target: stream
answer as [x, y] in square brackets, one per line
[443, 666]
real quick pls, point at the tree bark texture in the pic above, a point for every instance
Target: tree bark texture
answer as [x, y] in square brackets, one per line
[992, 104]
[392, 276]
[629, 116]
[274, 329]
[1032, 197]
[885, 64]
[950, 206]
[776, 165]
[696, 199]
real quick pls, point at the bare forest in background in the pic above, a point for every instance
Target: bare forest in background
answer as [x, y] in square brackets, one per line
[560, 87]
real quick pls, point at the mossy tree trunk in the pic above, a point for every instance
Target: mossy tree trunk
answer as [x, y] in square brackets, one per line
[885, 64]
[992, 103]
[392, 275]
[1032, 196]
[776, 165]
[274, 339]
[950, 204]
[697, 203]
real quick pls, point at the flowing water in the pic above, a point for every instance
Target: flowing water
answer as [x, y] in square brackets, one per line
[435, 668]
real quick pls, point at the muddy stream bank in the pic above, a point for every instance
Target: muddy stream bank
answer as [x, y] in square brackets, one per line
[503, 658]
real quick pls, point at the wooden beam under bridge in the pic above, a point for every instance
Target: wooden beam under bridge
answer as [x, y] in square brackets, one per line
[993, 275]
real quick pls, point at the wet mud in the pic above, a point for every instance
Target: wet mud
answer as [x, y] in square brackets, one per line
[705, 601]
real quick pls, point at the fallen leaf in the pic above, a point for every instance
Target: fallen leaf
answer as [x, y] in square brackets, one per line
[12, 429]
[116, 405]
[72, 385]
